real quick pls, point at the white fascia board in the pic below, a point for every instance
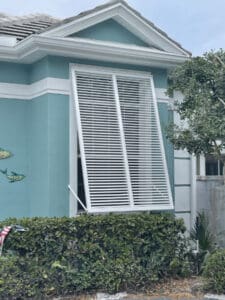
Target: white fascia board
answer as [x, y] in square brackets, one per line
[38, 46]
[146, 32]
[83, 22]
[8, 53]
[127, 18]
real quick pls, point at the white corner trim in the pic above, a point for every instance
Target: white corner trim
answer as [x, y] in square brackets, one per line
[50, 85]
[193, 190]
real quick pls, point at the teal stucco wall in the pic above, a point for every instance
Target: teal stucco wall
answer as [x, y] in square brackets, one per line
[13, 138]
[48, 149]
[37, 133]
[111, 31]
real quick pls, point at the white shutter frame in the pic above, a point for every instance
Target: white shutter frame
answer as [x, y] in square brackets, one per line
[149, 177]
[80, 136]
[157, 201]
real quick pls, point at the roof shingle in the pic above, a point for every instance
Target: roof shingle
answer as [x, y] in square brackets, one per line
[22, 27]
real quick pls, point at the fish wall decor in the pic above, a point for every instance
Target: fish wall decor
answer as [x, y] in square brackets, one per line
[14, 177]
[5, 154]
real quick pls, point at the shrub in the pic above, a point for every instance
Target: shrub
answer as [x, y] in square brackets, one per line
[19, 279]
[214, 272]
[201, 233]
[106, 253]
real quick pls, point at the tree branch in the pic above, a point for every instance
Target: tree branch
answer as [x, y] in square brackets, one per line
[220, 60]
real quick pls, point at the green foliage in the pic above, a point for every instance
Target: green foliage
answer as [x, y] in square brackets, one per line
[201, 233]
[63, 256]
[201, 80]
[19, 278]
[214, 272]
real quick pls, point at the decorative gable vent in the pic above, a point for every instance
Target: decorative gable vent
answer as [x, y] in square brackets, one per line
[121, 146]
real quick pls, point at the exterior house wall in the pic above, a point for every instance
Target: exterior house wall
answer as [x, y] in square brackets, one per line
[184, 180]
[48, 155]
[14, 73]
[37, 132]
[110, 30]
[13, 138]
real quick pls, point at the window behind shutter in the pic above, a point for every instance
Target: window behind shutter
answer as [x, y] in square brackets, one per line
[120, 141]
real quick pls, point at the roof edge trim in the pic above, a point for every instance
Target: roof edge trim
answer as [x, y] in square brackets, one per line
[36, 47]
[124, 14]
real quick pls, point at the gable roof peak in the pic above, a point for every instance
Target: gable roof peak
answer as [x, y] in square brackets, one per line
[127, 16]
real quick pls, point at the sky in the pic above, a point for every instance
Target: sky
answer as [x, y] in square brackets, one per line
[198, 25]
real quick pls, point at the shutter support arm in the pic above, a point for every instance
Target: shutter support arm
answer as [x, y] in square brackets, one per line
[77, 198]
[122, 138]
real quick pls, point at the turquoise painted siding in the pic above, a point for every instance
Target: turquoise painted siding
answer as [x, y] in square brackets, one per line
[38, 156]
[13, 137]
[111, 31]
[48, 155]
[39, 70]
[58, 118]
[14, 73]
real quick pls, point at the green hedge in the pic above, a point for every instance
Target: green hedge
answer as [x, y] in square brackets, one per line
[214, 272]
[63, 256]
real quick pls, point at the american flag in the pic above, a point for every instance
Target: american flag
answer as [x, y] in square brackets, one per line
[3, 234]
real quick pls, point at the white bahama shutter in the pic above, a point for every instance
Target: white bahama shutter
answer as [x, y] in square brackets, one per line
[144, 146]
[122, 154]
